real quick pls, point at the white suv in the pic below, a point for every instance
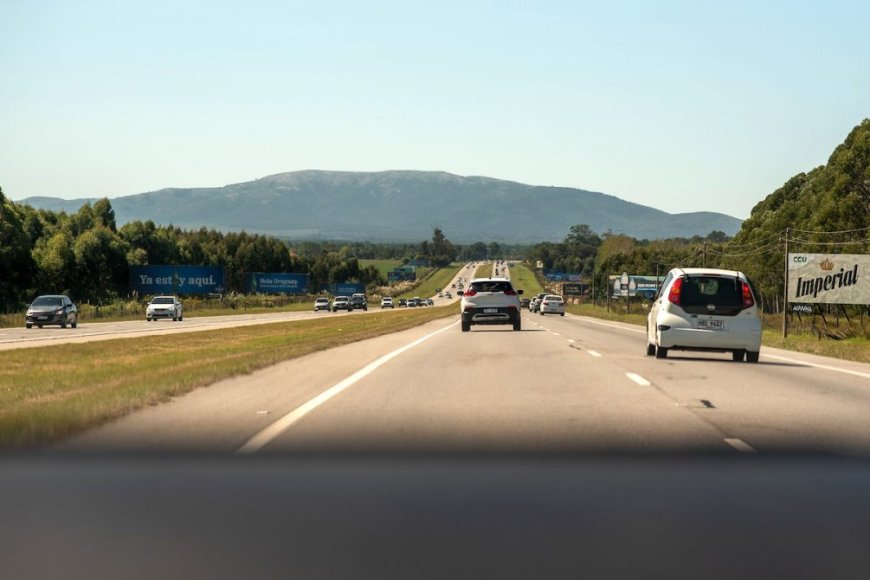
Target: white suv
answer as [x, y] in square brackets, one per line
[490, 301]
[705, 309]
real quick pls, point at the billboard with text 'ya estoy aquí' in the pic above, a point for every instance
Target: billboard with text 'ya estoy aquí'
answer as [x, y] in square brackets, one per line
[828, 278]
[181, 280]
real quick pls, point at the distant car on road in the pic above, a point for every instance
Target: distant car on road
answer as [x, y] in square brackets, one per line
[53, 309]
[386, 302]
[552, 304]
[705, 309]
[524, 302]
[430, 302]
[164, 307]
[490, 301]
[359, 302]
[403, 303]
[341, 303]
[321, 303]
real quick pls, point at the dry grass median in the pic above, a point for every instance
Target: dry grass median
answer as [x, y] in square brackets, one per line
[48, 394]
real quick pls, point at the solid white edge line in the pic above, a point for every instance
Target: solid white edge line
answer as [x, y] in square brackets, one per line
[594, 353]
[265, 436]
[638, 379]
[740, 445]
[818, 366]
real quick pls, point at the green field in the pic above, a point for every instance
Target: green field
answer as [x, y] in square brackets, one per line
[50, 393]
[524, 279]
[484, 271]
[440, 278]
[383, 266]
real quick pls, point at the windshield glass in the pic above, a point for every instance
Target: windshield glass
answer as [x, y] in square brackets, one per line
[163, 300]
[48, 301]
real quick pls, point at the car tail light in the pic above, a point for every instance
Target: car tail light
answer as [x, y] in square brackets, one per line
[748, 301]
[676, 289]
[470, 292]
[510, 292]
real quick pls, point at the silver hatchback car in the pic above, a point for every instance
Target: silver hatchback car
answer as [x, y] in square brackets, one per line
[706, 310]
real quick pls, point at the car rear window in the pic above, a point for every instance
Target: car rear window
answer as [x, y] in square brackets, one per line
[722, 292]
[494, 286]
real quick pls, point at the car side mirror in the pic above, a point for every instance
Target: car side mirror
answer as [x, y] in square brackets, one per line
[519, 291]
[460, 293]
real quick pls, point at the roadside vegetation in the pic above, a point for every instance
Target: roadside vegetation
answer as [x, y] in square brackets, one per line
[48, 394]
[484, 271]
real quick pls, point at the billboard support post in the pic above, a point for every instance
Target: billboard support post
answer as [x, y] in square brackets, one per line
[785, 290]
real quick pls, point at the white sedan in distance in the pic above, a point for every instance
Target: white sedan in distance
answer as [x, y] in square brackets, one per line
[164, 307]
[552, 304]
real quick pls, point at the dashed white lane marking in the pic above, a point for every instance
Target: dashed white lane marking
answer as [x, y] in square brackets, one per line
[740, 445]
[638, 379]
[818, 366]
[639, 330]
[268, 434]
[596, 355]
[571, 340]
[557, 334]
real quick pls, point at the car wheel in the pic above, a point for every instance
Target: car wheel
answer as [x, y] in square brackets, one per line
[63, 324]
[541, 313]
[466, 326]
[563, 314]
[738, 355]
[752, 356]
[38, 326]
[28, 325]
[174, 319]
[518, 325]
[661, 352]
[650, 349]
[181, 318]
[75, 324]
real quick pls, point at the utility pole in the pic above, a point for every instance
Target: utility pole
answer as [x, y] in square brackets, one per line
[705, 255]
[785, 290]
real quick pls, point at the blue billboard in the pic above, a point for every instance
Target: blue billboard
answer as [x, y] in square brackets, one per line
[182, 280]
[276, 283]
[346, 288]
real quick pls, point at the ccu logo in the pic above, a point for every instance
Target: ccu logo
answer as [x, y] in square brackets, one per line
[800, 259]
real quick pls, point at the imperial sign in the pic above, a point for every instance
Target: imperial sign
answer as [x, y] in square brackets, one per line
[828, 278]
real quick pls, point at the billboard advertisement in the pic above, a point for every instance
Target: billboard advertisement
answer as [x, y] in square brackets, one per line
[346, 288]
[181, 280]
[828, 279]
[398, 275]
[574, 289]
[643, 286]
[277, 283]
[561, 277]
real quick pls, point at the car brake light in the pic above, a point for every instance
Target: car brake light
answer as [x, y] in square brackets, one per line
[748, 301]
[470, 292]
[510, 292]
[674, 294]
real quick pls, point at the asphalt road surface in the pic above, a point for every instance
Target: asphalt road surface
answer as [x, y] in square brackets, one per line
[562, 384]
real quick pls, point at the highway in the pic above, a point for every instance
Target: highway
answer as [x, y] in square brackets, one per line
[561, 385]
[87, 331]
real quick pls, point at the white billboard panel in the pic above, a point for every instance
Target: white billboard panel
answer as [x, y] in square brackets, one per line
[828, 278]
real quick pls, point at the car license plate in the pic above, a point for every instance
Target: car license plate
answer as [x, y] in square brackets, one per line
[490, 310]
[711, 324]
[42, 317]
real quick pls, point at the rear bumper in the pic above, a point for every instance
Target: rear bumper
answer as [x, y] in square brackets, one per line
[501, 315]
[741, 333]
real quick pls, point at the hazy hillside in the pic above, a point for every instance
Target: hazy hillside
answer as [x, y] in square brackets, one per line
[401, 206]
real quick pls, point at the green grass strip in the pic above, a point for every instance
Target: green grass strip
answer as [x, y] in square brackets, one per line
[48, 394]
[524, 279]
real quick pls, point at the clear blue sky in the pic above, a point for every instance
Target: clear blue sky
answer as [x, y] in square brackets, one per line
[683, 106]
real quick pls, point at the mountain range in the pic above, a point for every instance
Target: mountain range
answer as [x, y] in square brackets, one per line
[400, 206]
